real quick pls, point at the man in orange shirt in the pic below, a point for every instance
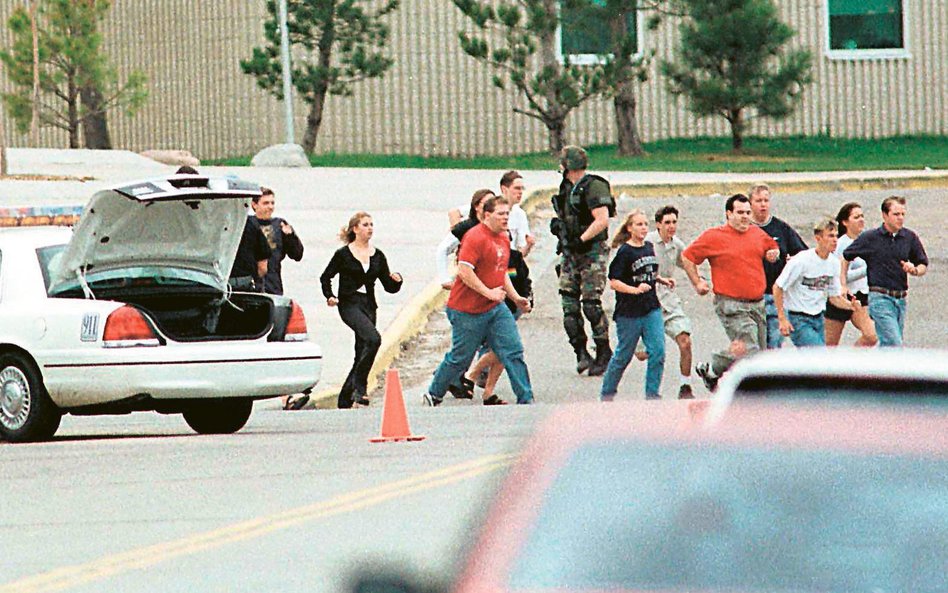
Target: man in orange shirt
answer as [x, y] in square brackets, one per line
[736, 253]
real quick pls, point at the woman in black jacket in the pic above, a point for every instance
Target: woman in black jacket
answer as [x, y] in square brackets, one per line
[358, 265]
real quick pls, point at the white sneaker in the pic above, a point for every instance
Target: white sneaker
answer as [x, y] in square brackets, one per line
[430, 400]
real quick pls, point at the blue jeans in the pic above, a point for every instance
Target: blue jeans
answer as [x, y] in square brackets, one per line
[807, 330]
[651, 329]
[468, 332]
[888, 313]
[774, 337]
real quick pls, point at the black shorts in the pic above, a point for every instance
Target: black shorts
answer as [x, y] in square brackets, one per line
[835, 313]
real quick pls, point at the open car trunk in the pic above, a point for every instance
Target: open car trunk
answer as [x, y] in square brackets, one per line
[190, 315]
[194, 317]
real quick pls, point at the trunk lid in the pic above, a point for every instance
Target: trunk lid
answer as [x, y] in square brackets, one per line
[183, 222]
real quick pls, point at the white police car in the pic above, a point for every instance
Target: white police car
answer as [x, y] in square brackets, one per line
[131, 311]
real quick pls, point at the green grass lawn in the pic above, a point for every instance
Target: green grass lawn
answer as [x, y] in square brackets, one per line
[694, 154]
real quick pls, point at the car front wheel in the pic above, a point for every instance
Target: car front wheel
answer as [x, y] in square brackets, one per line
[219, 416]
[26, 411]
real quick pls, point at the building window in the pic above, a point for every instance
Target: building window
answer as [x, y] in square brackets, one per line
[876, 26]
[589, 33]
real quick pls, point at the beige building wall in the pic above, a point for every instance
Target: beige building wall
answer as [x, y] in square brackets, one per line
[437, 101]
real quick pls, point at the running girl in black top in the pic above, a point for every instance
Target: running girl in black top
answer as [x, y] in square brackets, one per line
[358, 265]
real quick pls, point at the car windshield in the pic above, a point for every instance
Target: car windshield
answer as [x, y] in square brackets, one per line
[849, 390]
[632, 516]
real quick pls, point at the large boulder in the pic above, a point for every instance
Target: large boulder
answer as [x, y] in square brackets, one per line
[281, 155]
[176, 158]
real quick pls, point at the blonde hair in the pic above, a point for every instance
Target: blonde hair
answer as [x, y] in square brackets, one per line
[623, 234]
[347, 233]
[824, 225]
[758, 188]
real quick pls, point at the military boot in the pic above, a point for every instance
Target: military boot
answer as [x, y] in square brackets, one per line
[603, 354]
[583, 359]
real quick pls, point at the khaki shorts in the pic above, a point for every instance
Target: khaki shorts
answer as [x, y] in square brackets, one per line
[674, 318]
[676, 322]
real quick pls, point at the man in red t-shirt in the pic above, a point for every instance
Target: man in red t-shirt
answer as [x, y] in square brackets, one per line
[736, 253]
[476, 307]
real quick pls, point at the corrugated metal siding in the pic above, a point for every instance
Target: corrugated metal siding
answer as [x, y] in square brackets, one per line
[437, 101]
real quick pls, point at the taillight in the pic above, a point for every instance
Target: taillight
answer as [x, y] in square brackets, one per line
[296, 326]
[125, 327]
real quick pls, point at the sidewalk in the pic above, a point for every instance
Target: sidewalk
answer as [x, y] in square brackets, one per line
[409, 210]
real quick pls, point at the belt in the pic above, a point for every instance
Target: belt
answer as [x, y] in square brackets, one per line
[896, 294]
[730, 298]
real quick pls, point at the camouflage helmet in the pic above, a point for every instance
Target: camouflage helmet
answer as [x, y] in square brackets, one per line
[573, 158]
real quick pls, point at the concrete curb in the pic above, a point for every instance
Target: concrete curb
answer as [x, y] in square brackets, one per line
[412, 319]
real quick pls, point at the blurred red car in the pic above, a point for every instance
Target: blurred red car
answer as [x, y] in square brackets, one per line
[770, 498]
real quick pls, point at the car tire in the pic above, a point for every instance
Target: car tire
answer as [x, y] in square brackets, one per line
[223, 416]
[26, 411]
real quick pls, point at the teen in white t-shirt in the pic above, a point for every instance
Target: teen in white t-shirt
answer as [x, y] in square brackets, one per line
[802, 289]
[511, 187]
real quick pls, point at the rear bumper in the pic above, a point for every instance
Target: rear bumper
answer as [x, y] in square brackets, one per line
[193, 371]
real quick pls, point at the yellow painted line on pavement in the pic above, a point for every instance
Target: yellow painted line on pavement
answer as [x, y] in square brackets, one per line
[73, 576]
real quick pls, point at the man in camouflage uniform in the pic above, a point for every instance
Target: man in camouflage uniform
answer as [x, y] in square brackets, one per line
[583, 207]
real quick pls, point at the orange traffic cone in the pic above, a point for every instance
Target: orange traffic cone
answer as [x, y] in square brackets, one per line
[394, 415]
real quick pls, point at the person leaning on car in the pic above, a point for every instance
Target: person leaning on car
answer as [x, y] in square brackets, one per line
[250, 265]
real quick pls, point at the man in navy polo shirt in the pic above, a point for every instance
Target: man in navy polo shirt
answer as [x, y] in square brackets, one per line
[892, 253]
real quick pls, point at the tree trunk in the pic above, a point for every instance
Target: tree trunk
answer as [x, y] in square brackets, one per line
[72, 113]
[627, 127]
[737, 129]
[3, 150]
[314, 120]
[95, 125]
[556, 127]
[34, 123]
[554, 113]
[324, 56]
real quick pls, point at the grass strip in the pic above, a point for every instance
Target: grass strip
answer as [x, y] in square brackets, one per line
[711, 155]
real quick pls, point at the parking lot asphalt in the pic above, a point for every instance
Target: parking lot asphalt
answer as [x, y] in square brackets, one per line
[409, 208]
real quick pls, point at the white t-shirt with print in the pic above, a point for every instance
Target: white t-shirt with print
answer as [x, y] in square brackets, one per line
[808, 280]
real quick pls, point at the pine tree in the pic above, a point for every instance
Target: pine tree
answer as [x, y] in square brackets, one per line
[733, 63]
[342, 43]
[518, 41]
[77, 83]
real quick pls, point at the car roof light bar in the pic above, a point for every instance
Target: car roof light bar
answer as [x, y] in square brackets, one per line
[40, 216]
